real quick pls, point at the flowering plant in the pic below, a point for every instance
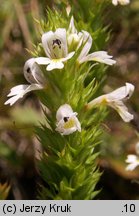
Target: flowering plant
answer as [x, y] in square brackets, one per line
[68, 76]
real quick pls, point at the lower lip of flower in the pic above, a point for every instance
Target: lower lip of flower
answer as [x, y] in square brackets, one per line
[69, 124]
[56, 60]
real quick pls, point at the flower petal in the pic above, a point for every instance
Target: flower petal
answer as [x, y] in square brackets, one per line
[19, 91]
[16, 92]
[68, 56]
[122, 2]
[131, 158]
[122, 110]
[32, 72]
[97, 101]
[55, 64]
[133, 161]
[100, 56]
[58, 63]
[42, 60]
[61, 34]
[66, 128]
[121, 93]
[73, 36]
[74, 39]
[64, 110]
[28, 66]
[131, 166]
[46, 39]
[87, 39]
[12, 100]
[78, 125]
[63, 131]
[115, 2]
[72, 29]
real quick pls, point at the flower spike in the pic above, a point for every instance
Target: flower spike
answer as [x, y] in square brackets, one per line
[67, 122]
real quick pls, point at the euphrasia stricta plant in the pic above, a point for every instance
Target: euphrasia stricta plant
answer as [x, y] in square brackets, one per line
[67, 72]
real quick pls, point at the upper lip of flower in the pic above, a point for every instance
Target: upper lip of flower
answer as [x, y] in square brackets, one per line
[32, 72]
[122, 93]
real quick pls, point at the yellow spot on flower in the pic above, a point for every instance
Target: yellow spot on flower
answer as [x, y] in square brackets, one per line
[69, 124]
[104, 101]
[56, 60]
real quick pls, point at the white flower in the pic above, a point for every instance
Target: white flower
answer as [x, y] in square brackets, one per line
[84, 38]
[115, 100]
[133, 161]
[73, 36]
[98, 56]
[67, 121]
[55, 46]
[33, 75]
[122, 2]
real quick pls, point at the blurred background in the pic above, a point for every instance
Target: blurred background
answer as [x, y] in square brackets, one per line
[19, 149]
